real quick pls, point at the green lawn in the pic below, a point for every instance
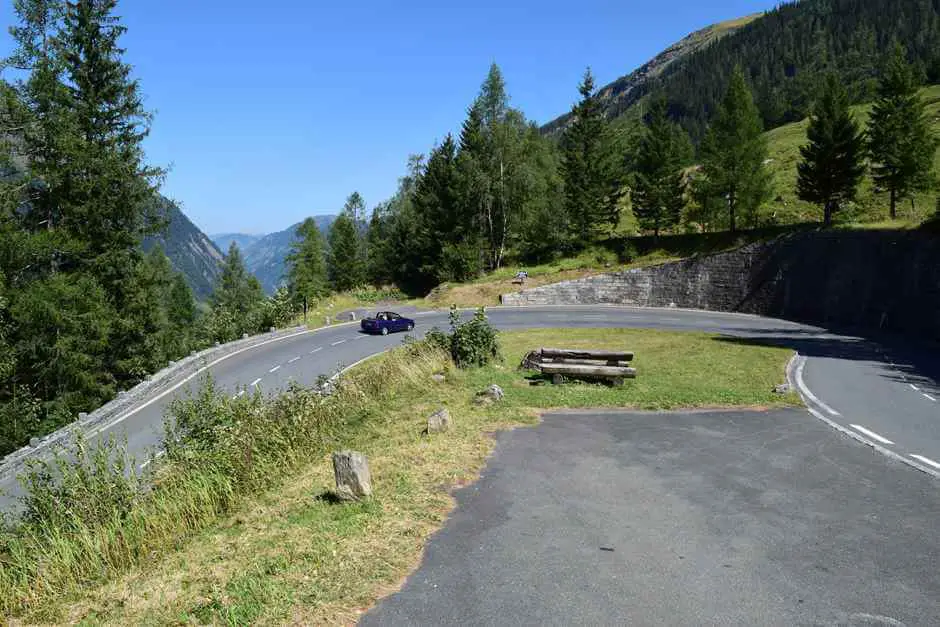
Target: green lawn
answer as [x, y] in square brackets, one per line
[286, 555]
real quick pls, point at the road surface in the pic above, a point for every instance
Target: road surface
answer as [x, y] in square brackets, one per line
[886, 397]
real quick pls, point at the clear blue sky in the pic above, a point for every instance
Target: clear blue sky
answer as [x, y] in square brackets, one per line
[268, 112]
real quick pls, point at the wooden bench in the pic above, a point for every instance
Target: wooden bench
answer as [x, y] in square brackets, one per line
[559, 363]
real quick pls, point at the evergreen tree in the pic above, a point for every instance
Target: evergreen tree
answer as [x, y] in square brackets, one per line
[181, 316]
[147, 307]
[344, 263]
[236, 291]
[734, 152]
[900, 140]
[355, 208]
[832, 163]
[587, 166]
[659, 188]
[306, 274]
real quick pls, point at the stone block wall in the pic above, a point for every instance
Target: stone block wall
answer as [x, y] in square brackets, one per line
[881, 279]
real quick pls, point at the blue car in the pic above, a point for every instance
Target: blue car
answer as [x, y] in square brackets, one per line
[386, 322]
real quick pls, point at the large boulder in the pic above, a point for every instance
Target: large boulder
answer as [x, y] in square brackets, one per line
[439, 421]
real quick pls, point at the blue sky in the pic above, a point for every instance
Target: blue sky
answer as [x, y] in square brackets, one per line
[270, 112]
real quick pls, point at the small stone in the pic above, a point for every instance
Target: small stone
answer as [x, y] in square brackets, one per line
[494, 392]
[34, 442]
[438, 378]
[783, 388]
[244, 336]
[439, 421]
[82, 415]
[353, 481]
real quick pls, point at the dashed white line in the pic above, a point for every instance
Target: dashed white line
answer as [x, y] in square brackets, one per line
[929, 396]
[256, 382]
[290, 361]
[274, 369]
[316, 350]
[871, 434]
[927, 461]
[337, 343]
[914, 387]
[240, 394]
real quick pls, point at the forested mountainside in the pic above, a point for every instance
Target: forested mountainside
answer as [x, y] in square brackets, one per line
[784, 54]
[189, 250]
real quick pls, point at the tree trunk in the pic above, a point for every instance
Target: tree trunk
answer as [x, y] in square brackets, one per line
[894, 204]
[827, 214]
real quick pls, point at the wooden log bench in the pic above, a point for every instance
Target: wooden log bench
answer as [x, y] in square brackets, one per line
[561, 363]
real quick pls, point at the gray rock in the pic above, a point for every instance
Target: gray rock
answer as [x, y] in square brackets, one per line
[353, 481]
[244, 336]
[82, 415]
[494, 392]
[438, 378]
[783, 388]
[272, 329]
[34, 442]
[439, 421]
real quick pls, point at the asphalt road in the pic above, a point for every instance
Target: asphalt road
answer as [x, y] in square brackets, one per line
[699, 518]
[887, 396]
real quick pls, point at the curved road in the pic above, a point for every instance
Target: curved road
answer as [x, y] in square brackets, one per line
[884, 397]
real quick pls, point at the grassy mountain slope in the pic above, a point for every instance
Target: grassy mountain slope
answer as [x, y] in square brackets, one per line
[784, 151]
[190, 251]
[617, 96]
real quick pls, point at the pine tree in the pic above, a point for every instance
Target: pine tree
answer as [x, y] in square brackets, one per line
[587, 165]
[734, 151]
[344, 264]
[181, 316]
[355, 208]
[659, 189]
[236, 290]
[306, 274]
[832, 163]
[900, 140]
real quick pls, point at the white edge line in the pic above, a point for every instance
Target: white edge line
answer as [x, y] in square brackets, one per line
[274, 369]
[872, 434]
[929, 396]
[914, 387]
[124, 417]
[806, 391]
[290, 361]
[926, 460]
[256, 382]
[791, 367]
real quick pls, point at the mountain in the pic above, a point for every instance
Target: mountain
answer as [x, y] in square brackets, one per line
[242, 240]
[265, 257]
[617, 96]
[190, 251]
[784, 53]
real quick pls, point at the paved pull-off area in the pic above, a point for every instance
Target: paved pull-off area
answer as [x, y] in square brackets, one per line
[699, 518]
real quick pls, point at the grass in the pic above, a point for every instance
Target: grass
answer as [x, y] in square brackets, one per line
[285, 553]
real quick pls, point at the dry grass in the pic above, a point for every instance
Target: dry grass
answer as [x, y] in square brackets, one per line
[290, 556]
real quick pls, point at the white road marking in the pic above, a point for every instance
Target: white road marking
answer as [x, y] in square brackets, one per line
[914, 387]
[927, 461]
[871, 434]
[929, 396]
[316, 350]
[274, 369]
[256, 382]
[239, 395]
[158, 455]
[188, 379]
[337, 343]
[290, 361]
[806, 391]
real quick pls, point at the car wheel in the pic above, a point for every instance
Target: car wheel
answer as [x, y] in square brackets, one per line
[411, 327]
[384, 330]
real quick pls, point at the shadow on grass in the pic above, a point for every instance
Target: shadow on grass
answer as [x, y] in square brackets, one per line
[329, 497]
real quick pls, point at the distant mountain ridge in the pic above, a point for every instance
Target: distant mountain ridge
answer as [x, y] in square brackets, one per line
[266, 255]
[618, 95]
[189, 250]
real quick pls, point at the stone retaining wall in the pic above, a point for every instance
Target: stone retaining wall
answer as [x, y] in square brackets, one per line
[880, 279]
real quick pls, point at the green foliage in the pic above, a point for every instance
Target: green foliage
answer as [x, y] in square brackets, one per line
[659, 189]
[901, 143]
[832, 163]
[344, 262]
[588, 166]
[733, 155]
[473, 342]
[306, 274]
